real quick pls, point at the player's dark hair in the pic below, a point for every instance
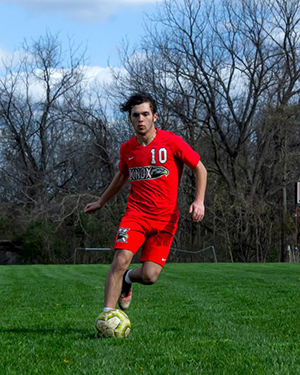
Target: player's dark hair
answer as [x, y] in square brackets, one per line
[136, 99]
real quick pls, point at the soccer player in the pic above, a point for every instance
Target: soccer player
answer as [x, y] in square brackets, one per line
[153, 162]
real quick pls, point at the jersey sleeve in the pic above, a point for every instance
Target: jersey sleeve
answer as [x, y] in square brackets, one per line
[123, 167]
[184, 152]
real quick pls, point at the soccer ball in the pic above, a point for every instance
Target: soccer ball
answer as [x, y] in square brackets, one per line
[113, 323]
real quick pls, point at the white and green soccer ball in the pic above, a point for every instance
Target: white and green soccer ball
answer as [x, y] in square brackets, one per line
[113, 323]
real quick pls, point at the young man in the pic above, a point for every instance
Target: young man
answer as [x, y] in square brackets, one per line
[153, 162]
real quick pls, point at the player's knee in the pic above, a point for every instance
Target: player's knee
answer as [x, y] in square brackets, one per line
[149, 278]
[121, 262]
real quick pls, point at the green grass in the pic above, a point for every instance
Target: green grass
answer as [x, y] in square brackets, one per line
[197, 319]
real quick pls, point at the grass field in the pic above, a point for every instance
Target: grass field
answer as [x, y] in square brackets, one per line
[206, 319]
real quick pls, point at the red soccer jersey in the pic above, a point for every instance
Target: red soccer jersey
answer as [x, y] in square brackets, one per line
[154, 172]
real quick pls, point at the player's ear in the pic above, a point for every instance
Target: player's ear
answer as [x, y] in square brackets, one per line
[155, 117]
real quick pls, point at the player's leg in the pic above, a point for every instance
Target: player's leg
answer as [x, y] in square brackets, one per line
[125, 297]
[156, 238]
[113, 285]
[155, 252]
[154, 255]
[131, 235]
[147, 274]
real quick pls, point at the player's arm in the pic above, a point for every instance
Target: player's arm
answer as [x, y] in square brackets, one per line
[197, 208]
[115, 186]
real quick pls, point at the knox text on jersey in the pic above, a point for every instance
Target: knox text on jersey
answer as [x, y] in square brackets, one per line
[147, 173]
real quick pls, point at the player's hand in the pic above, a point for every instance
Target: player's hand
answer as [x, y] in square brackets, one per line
[91, 208]
[197, 210]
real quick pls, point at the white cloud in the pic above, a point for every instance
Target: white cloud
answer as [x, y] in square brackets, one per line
[98, 74]
[83, 10]
[8, 58]
[94, 77]
[4, 56]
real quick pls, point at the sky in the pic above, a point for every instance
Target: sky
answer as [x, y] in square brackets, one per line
[101, 25]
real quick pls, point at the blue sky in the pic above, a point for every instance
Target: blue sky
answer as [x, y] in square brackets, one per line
[99, 24]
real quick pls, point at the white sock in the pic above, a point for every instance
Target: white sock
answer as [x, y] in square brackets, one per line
[106, 309]
[127, 279]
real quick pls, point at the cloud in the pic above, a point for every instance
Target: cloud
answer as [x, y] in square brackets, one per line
[8, 58]
[95, 78]
[86, 11]
[4, 56]
[97, 74]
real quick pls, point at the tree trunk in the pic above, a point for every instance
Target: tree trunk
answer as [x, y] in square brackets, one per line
[283, 257]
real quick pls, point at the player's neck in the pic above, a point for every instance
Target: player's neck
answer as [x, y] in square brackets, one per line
[146, 139]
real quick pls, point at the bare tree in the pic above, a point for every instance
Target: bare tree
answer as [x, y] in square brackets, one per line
[32, 118]
[58, 147]
[217, 68]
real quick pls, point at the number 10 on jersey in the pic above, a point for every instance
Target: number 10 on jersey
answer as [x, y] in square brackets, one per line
[162, 155]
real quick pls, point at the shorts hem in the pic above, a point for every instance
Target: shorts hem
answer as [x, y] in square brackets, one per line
[122, 248]
[154, 261]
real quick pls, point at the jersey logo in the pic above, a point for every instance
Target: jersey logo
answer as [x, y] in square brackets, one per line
[122, 235]
[147, 173]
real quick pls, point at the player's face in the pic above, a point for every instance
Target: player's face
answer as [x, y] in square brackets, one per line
[143, 119]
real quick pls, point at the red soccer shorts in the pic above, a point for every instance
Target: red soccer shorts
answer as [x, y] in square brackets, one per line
[154, 236]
